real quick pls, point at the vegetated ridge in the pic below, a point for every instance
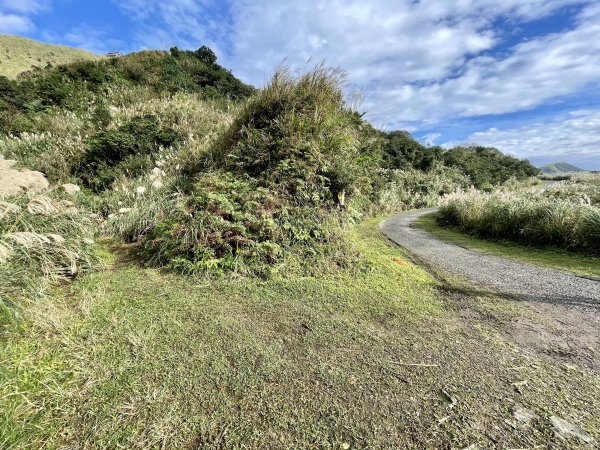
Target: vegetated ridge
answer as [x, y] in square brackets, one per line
[19, 54]
[558, 168]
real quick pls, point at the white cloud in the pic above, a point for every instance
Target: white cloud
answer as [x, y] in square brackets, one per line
[14, 15]
[12, 23]
[415, 61]
[575, 135]
[534, 72]
[24, 6]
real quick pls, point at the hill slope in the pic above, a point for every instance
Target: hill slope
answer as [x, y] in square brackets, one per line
[559, 167]
[20, 54]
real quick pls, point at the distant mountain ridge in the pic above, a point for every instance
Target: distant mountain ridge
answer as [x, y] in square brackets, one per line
[558, 168]
[19, 54]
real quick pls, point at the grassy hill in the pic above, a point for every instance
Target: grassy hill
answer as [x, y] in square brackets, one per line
[559, 168]
[20, 54]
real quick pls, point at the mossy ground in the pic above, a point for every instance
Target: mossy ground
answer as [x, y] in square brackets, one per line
[555, 258]
[134, 358]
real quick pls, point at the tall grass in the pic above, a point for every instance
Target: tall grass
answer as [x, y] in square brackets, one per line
[558, 216]
[413, 189]
[42, 240]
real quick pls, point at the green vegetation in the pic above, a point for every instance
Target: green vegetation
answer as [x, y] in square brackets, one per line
[132, 357]
[485, 166]
[283, 318]
[19, 54]
[555, 258]
[559, 168]
[41, 240]
[81, 86]
[565, 215]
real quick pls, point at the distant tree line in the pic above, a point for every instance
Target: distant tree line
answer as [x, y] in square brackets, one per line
[486, 166]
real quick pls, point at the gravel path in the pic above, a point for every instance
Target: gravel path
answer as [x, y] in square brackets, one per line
[525, 281]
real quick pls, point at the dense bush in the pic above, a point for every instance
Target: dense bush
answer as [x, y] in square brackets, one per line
[402, 151]
[412, 189]
[487, 166]
[75, 86]
[531, 217]
[270, 185]
[127, 149]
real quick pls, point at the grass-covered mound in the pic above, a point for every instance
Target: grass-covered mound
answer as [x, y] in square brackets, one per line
[281, 180]
[85, 85]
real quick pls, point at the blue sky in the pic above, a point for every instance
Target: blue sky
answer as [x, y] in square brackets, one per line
[521, 75]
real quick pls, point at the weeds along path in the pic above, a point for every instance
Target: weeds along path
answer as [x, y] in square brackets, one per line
[522, 280]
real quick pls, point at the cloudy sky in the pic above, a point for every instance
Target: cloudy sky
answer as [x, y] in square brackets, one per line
[521, 75]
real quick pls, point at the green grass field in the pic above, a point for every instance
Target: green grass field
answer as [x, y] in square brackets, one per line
[19, 54]
[133, 358]
[580, 264]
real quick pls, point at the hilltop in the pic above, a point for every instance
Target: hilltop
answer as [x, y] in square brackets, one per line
[558, 168]
[20, 54]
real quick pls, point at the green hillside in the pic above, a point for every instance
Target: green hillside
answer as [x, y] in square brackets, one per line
[20, 54]
[559, 167]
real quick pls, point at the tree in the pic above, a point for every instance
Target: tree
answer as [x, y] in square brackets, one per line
[206, 55]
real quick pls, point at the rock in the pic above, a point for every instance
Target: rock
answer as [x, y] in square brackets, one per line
[522, 418]
[19, 181]
[70, 188]
[565, 430]
[124, 210]
[524, 415]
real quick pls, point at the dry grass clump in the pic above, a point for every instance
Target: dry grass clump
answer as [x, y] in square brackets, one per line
[557, 216]
[41, 240]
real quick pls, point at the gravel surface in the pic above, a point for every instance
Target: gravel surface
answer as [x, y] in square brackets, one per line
[525, 281]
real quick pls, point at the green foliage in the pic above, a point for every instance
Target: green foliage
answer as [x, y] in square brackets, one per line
[487, 166]
[128, 148]
[206, 55]
[413, 189]
[402, 151]
[269, 184]
[45, 243]
[74, 86]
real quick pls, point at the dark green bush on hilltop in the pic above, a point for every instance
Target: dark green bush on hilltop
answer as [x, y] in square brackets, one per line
[488, 166]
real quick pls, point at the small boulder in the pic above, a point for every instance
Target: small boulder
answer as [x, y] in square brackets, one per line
[19, 181]
[70, 188]
[566, 430]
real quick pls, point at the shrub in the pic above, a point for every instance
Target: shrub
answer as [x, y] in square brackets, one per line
[269, 186]
[128, 148]
[412, 189]
[41, 240]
